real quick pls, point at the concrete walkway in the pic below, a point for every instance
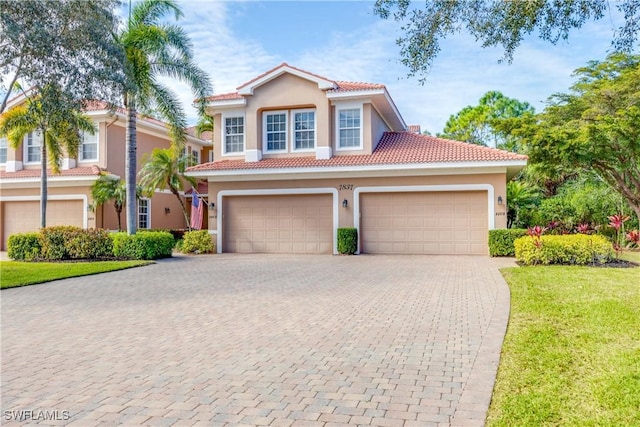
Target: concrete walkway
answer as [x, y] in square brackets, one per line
[258, 340]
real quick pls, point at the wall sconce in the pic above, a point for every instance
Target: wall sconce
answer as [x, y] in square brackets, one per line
[500, 200]
[167, 210]
[212, 205]
[345, 203]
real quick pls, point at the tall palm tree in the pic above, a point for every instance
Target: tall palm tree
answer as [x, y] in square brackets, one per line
[152, 50]
[164, 169]
[519, 196]
[60, 125]
[205, 124]
[106, 189]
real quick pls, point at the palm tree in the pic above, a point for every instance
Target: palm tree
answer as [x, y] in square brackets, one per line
[519, 196]
[108, 188]
[154, 49]
[58, 123]
[205, 124]
[164, 169]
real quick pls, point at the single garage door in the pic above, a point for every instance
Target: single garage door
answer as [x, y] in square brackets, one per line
[424, 223]
[22, 217]
[278, 224]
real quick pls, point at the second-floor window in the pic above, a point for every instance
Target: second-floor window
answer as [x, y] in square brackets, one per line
[304, 130]
[33, 140]
[143, 213]
[275, 131]
[349, 128]
[298, 126]
[3, 150]
[88, 146]
[233, 135]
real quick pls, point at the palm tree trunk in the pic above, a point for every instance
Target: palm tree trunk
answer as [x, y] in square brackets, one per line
[130, 166]
[184, 208]
[43, 181]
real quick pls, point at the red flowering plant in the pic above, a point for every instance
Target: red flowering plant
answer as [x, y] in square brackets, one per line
[535, 233]
[617, 223]
[633, 237]
[583, 228]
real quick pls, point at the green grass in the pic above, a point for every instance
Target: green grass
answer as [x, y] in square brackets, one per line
[571, 355]
[14, 273]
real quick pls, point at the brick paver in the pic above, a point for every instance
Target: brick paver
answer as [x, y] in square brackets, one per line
[259, 340]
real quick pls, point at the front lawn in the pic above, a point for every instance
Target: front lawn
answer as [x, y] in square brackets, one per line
[571, 355]
[14, 273]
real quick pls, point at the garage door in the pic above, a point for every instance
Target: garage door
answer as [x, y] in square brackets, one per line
[22, 217]
[424, 223]
[278, 224]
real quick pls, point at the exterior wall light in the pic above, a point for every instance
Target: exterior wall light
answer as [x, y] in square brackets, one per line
[167, 210]
[212, 205]
[345, 203]
[500, 200]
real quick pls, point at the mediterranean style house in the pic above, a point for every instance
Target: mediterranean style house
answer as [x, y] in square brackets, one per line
[69, 192]
[297, 156]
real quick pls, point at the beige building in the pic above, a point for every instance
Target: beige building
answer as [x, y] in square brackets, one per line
[298, 155]
[69, 192]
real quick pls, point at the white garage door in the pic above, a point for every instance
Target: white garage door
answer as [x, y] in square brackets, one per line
[278, 224]
[424, 223]
[22, 217]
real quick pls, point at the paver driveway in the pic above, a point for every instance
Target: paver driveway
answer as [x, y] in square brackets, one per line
[258, 340]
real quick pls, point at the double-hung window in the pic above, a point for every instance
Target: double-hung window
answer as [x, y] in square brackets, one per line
[3, 150]
[275, 131]
[88, 147]
[233, 134]
[143, 213]
[349, 128]
[304, 130]
[32, 144]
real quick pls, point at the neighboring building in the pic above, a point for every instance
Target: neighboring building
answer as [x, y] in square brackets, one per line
[70, 191]
[297, 155]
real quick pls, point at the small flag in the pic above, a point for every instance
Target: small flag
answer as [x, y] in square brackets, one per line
[196, 212]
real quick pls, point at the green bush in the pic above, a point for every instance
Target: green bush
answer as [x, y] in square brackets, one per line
[54, 241]
[501, 241]
[572, 249]
[90, 244]
[347, 240]
[197, 242]
[143, 245]
[24, 246]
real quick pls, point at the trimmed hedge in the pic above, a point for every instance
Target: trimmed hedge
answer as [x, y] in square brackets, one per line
[24, 246]
[143, 245]
[197, 242]
[53, 241]
[501, 241]
[570, 249]
[347, 240]
[90, 244]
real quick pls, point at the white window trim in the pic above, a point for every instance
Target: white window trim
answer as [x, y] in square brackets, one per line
[265, 150]
[229, 115]
[210, 156]
[148, 214]
[97, 159]
[349, 106]
[293, 131]
[25, 156]
[6, 147]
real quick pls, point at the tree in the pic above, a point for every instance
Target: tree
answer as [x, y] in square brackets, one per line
[488, 123]
[154, 49]
[595, 126]
[164, 169]
[59, 124]
[520, 197]
[497, 23]
[205, 124]
[109, 189]
[63, 42]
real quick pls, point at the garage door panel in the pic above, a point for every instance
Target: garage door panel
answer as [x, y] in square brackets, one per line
[278, 224]
[424, 223]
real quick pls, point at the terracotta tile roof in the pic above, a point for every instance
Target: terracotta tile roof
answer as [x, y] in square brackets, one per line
[394, 148]
[224, 97]
[355, 86]
[35, 173]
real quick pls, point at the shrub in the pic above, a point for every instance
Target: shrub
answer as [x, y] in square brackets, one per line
[143, 245]
[24, 246]
[90, 244]
[574, 249]
[347, 240]
[197, 242]
[501, 241]
[54, 241]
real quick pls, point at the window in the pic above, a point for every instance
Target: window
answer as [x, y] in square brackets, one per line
[3, 150]
[143, 213]
[349, 128]
[32, 147]
[88, 146]
[233, 134]
[275, 131]
[304, 129]
[195, 157]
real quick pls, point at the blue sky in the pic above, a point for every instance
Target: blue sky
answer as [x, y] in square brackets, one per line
[236, 41]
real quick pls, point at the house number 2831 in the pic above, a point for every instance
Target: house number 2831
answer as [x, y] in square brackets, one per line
[345, 187]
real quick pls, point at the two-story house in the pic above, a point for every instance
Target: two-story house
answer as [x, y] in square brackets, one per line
[69, 192]
[297, 155]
